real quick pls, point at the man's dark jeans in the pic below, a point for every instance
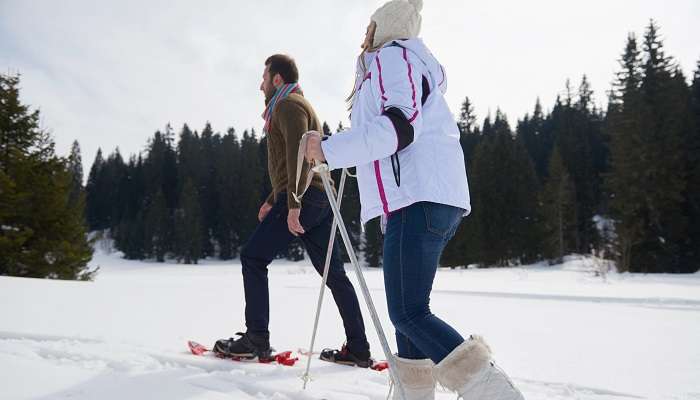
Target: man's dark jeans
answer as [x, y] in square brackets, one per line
[272, 236]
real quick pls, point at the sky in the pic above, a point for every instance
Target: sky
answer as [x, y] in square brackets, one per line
[109, 74]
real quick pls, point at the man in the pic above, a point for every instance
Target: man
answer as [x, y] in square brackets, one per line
[288, 115]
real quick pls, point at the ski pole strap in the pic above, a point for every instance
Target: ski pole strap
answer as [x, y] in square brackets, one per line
[300, 166]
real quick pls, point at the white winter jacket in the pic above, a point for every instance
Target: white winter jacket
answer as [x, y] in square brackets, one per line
[429, 164]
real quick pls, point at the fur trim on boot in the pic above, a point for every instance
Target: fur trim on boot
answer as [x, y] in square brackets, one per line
[465, 363]
[417, 379]
[469, 371]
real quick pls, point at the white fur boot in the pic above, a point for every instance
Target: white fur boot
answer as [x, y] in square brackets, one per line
[417, 379]
[469, 371]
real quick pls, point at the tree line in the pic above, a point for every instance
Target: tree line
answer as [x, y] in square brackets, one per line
[622, 183]
[189, 196]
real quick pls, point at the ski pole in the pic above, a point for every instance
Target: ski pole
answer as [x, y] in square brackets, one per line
[326, 267]
[323, 170]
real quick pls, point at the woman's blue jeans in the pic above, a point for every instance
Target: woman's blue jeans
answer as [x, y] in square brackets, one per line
[414, 240]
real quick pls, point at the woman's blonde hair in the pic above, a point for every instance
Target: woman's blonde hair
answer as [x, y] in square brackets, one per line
[361, 67]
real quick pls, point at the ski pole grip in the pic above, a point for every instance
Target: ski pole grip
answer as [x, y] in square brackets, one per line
[319, 167]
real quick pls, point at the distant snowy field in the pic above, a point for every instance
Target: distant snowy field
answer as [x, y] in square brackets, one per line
[561, 332]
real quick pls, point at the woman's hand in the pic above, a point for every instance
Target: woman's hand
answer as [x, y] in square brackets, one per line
[314, 151]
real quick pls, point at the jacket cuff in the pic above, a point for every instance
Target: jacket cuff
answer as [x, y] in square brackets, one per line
[271, 198]
[327, 148]
[291, 201]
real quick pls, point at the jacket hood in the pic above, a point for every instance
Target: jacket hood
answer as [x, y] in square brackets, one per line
[435, 69]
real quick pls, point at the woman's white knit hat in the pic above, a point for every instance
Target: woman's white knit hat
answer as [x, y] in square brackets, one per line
[397, 19]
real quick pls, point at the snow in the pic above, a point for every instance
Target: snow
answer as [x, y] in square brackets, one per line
[561, 332]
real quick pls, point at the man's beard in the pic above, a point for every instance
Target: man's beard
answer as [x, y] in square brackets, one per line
[269, 93]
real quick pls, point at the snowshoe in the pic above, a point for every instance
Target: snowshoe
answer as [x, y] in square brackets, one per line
[283, 358]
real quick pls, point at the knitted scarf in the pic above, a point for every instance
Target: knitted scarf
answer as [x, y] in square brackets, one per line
[282, 92]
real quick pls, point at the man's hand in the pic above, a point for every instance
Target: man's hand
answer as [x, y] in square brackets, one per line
[293, 222]
[313, 148]
[264, 210]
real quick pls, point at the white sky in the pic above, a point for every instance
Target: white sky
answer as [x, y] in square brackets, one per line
[111, 73]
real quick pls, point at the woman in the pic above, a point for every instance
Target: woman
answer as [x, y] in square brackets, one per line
[410, 170]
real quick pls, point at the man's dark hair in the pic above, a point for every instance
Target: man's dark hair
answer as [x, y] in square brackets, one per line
[285, 66]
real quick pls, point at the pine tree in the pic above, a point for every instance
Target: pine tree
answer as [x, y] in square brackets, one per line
[193, 167]
[525, 187]
[227, 214]
[21, 135]
[467, 119]
[75, 166]
[169, 183]
[42, 233]
[462, 248]
[160, 199]
[225, 159]
[208, 189]
[647, 123]
[158, 232]
[504, 205]
[588, 181]
[574, 125]
[13, 237]
[558, 211]
[665, 104]
[95, 197]
[536, 139]
[691, 261]
[372, 246]
[470, 134]
[250, 181]
[624, 182]
[115, 178]
[188, 225]
[130, 230]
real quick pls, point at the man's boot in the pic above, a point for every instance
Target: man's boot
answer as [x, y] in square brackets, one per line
[344, 356]
[248, 345]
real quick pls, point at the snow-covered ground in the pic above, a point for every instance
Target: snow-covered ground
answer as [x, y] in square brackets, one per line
[561, 332]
